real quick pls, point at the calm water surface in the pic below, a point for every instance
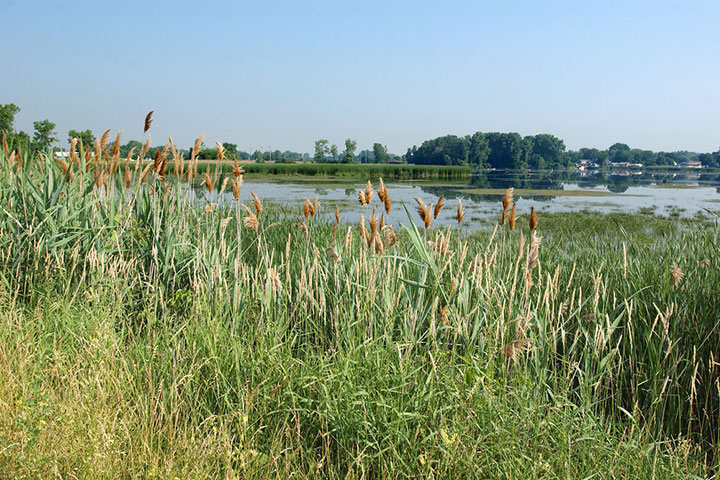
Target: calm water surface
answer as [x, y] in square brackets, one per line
[662, 193]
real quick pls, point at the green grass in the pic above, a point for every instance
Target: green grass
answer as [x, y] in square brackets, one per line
[362, 171]
[145, 336]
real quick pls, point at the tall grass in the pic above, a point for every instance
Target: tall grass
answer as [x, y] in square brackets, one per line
[361, 171]
[144, 335]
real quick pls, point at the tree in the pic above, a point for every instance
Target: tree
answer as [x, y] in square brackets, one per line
[321, 149]
[230, 150]
[547, 151]
[334, 152]
[619, 152]
[349, 153]
[380, 151]
[86, 137]
[44, 135]
[479, 150]
[7, 117]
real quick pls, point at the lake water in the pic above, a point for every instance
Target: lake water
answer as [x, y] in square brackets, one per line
[661, 193]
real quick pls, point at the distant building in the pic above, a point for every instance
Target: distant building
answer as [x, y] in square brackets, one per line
[691, 164]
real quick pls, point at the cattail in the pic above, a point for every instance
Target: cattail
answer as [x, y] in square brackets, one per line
[439, 206]
[250, 220]
[532, 259]
[368, 192]
[148, 121]
[6, 149]
[512, 349]
[676, 275]
[460, 212]
[337, 215]
[208, 182]
[533, 219]
[512, 216]
[424, 212]
[362, 198]
[220, 151]
[256, 204]
[116, 144]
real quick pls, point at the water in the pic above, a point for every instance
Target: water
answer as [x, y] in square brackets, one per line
[662, 193]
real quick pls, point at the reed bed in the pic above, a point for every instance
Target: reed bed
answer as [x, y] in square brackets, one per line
[146, 334]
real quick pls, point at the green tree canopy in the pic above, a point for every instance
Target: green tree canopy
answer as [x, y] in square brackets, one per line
[86, 137]
[44, 135]
[321, 149]
[349, 153]
[7, 117]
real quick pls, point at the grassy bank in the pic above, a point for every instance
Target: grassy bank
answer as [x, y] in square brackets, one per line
[361, 171]
[144, 336]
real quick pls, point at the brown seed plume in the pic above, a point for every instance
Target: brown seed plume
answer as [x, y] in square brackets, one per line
[512, 349]
[373, 223]
[126, 175]
[368, 192]
[208, 182]
[362, 198]
[148, 121]
[676, 275]
[104, 139]
[250, 220]
[533, 219]
[460, 212]
[386, 201]
[256, 204]
[513, 217]
[315, 206]
[237, 170]
[439, 206]
[532, 259]
[506, 201]
[363, 231]
[337, 215]
[307, 207]
[116, 144]
[220, 151]
[236, 184]
[196, 148]
[425, 212]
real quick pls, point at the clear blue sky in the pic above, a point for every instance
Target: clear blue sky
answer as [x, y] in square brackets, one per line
[283, 74]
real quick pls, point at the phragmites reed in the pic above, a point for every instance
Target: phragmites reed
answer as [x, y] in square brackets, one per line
[425, 212]
[512, 349]
[382, 221]
[236, 184]
[126, 175]
[307, 207]
[157, 162]
[332, 253]
[220, 150]
[97, 149]
[104, 139]
[368, 192]
[257, 204]
[196, 146]
[148, 121]
[363, 231]
[533, 219]
[373, 224]
[506, 201]
[439, 206]
[63, 165]
[315, 206]
[386, 201]
[460, 212]
[389, 234]
[250, 220]
[208, 182]
[73, 144]
[362, 198]
[513, 216]
[532, 259]
[116, 144]
[381, 191]
[676, 275]
[237, 170]
[337, 215]
[379, 247]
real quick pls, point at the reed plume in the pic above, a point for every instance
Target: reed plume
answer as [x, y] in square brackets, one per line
[237, 170]
[532, 259]
[126, 175]
[389, 234]
[512, 349]
[104, 139]
[386, 201]
[533, 219]
[425, 212]
[116, 144]
[439, 206]
[250, 220]
[373, 224]
[208, 182]
[315, 206]
[148, 121]
[220, 151]
[676, 275]
[513, 217]
[257, 204]
[73, 144]
[332, 253]
[460, 212]
[363, 231]
[307, 206]
[236, 184]
[196, 147]
[362, 198]
[368, 192]
[337, 215]
[63, 165]
[381, 191]
[506, 201]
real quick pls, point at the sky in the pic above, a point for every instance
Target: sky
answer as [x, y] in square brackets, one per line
[282, 74]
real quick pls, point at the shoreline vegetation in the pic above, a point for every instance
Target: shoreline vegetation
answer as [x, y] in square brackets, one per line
[146, 335]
